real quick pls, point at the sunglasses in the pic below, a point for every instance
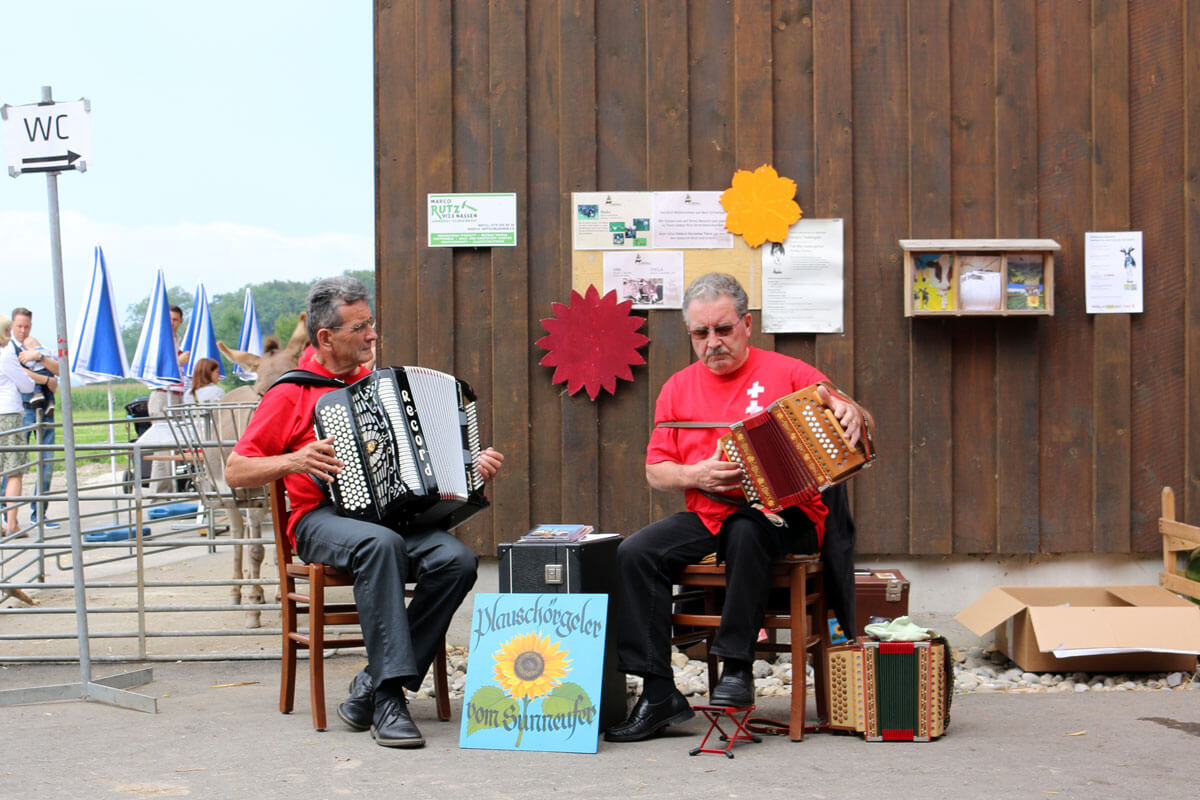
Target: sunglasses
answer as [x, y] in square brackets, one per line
[700, 334]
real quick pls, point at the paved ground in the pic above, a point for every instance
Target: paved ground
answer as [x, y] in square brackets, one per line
[218, 734]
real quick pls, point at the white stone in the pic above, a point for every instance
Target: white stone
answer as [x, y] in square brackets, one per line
[966, 681]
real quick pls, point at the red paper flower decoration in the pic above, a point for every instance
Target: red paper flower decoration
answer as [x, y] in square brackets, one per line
[592, 342]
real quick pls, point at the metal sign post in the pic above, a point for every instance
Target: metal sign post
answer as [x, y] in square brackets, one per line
[40, 133]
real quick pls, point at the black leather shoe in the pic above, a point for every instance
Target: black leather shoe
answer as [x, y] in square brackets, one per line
[360, 705]
[733, 691]
[392, 726]
[647, 719]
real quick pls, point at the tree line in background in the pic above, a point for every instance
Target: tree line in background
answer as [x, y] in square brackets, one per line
[277, 303]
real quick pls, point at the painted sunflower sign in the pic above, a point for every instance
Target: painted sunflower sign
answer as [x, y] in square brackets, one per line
[534, 672]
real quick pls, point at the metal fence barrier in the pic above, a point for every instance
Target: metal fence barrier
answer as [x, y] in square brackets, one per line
[148, 555]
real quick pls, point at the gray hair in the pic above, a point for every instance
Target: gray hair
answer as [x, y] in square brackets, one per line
[325, 301]
[713, 286]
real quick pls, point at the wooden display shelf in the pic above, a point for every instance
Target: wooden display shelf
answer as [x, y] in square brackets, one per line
[979, 277]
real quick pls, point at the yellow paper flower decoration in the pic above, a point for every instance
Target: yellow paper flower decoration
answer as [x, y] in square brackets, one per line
[760, 205]
[529, 666]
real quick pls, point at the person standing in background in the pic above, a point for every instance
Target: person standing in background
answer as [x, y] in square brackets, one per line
[41, 367]
[14, 380]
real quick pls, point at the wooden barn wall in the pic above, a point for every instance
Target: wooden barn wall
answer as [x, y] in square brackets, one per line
[918, 119]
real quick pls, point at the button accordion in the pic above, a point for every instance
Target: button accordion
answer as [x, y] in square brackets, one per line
[409, 439]
[891, 691]
[793, 450]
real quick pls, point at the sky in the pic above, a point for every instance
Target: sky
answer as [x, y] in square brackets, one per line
[231, 143]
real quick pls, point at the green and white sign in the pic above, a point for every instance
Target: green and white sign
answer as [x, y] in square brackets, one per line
[472, 220]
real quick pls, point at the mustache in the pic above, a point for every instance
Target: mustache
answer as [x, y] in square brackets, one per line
[719, 350]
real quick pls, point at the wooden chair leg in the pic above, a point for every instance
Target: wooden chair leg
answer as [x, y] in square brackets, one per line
[441, 685]
[316, 650]
[798, 608]
[820, 625]
[287, 678]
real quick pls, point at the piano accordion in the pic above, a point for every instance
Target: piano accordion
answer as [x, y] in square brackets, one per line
[891, 691]
[793, 450]
[409, 439]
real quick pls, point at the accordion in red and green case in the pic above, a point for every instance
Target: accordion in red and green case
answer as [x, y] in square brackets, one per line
[891, 691]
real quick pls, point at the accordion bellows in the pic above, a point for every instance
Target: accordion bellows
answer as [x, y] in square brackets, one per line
[409, 438]
[891, 691]
[793, 450]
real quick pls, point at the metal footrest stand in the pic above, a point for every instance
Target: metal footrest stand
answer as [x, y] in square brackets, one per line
[735, 717]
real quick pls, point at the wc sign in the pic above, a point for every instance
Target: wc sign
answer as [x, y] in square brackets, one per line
[50, 137]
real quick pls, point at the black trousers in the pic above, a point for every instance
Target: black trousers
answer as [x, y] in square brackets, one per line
[401, 640]
[648, 560]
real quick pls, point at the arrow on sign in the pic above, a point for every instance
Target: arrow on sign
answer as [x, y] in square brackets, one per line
[70, 158]
[58, 168]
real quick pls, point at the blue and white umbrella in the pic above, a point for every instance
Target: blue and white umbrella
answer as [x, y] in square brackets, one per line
[250, 340]
[97, 351]
[201, 341]
[154, 362]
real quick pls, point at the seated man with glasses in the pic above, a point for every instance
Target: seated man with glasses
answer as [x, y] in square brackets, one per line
[730, 381]
[280, 442]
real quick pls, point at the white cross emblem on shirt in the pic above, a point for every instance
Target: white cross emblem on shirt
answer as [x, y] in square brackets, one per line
[753, 392]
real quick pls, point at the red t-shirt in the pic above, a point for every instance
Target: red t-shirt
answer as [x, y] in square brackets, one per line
[696, 394]
[282, 423]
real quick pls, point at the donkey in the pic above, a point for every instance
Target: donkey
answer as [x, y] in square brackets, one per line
[230, 422]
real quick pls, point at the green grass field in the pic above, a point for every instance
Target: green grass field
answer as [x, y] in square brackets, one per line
[90, 411]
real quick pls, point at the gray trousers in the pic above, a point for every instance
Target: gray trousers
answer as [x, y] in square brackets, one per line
[401, 641]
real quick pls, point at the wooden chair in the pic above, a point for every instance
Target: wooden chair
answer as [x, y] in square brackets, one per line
[804, 617]
[321, 614]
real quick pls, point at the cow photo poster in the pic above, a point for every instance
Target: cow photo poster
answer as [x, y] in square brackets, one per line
[534, 672]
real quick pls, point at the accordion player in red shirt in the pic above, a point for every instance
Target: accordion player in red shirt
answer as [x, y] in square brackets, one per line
[731, 381]
[280, 442]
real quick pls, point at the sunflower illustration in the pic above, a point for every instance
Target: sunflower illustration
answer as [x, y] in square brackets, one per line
[530, 666]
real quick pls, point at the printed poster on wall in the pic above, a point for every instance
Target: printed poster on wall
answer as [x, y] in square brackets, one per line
[534, 673]
[1113, 269]
[472, 220]
[650, 279]
[802, 279]
[690, 220]
[612, 220]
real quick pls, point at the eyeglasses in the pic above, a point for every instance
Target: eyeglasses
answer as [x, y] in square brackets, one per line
[701, 334]
[359, 328]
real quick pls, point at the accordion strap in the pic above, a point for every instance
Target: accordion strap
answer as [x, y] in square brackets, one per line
[305, 378]
[673, 424]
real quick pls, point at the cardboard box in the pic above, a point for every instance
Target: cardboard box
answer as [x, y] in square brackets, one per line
[1089, 628]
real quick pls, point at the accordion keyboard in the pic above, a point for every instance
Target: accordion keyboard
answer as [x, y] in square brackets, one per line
[351, 482]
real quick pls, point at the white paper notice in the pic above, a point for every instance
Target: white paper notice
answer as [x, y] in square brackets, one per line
[802, 285]
[1113, 266]
[651, 279]
[612, 220]
[689, 220]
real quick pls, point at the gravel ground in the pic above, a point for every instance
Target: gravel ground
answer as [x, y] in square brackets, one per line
[975, 671]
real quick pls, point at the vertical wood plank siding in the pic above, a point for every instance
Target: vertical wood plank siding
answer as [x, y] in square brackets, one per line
[917, 119]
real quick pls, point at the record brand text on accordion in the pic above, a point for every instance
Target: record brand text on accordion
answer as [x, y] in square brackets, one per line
[793, 450]
[408, 438]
